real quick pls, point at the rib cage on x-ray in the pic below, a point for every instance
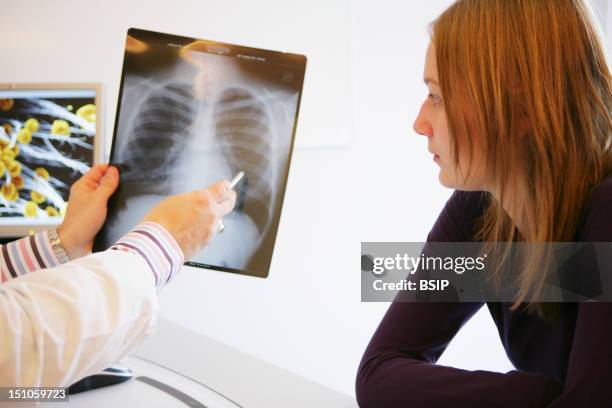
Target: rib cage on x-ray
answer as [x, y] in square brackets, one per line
[192, 112]
[160, 132]
[157, 138]
[245, 134]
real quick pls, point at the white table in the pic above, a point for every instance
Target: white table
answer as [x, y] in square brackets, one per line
[177, 368]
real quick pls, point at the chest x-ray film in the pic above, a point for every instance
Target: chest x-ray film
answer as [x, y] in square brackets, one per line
[48, 140]
[192, 112]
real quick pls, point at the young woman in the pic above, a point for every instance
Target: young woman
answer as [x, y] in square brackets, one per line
[518, 118]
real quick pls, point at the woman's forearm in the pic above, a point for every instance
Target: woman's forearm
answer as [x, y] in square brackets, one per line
[395, 379]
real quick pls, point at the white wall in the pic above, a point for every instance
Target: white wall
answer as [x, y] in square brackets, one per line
[600, 7]
[376, 182]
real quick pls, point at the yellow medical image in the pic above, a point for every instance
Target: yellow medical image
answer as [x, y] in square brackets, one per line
[46, 141]
[30, 209]
[32, 124]
[37, 197]
[87, 112]
[60, 127]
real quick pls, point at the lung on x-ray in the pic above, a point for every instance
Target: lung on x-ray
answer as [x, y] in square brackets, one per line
[192, 112]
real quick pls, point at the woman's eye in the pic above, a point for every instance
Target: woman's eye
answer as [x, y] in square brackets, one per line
[435, 99]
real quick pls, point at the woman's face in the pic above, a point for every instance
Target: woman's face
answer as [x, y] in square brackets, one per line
[432, 123]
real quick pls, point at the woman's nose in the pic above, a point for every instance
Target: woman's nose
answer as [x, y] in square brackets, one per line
[421, 125]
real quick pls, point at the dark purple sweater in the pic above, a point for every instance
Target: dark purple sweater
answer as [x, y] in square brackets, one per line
[566, 363]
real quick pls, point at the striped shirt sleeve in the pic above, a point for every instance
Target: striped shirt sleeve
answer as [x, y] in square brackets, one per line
[29, 254]
[159, 249]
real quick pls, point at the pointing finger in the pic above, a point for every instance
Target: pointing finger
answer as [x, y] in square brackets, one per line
[226, 206]
[220, 190]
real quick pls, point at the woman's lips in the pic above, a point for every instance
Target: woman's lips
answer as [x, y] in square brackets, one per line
[435, 156]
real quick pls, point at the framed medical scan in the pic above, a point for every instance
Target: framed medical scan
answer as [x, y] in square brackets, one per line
[192, 112]
[49, 137]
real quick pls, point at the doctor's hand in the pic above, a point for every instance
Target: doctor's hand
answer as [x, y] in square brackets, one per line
[193, 218]
[86, 210]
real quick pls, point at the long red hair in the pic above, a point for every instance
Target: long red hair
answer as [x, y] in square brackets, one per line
[528, 81]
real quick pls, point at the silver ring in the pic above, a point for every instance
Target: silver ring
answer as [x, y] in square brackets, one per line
[221, 227]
